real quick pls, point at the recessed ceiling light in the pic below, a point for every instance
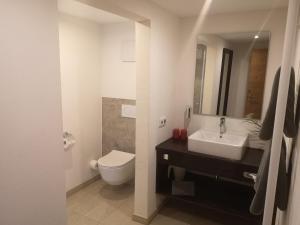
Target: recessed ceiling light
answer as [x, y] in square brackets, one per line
[256, 36]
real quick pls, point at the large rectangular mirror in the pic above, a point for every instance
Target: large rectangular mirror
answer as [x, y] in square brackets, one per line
[230, 74]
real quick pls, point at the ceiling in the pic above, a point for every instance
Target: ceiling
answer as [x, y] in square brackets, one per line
[245, 36]
[187, 8]
[84, 11]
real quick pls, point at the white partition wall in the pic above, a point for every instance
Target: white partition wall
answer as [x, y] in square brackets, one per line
[142, 120]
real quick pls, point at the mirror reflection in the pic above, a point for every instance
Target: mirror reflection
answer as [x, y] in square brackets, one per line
[230, 74]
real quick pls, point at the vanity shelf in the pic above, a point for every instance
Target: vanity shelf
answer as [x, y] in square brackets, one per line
[221, 190]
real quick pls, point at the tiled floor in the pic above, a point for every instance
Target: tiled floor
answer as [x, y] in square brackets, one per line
[101, 204]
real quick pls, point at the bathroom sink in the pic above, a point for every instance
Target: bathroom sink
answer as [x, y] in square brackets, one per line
[230, 146]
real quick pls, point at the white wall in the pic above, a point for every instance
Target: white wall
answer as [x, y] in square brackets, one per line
[292, 217]
[80, 57]
[225, 23]
[163, 60]
[31, 156]
[91, 68]
[118, 78]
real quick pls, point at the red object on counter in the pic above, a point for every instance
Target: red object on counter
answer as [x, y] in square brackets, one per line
[183, 134]
[176, 134]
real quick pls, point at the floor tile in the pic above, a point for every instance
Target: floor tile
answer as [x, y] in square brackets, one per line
[101, 211]
[102, 204]
[118, 218]
[77, 219]
[127, 206]
[98, 201]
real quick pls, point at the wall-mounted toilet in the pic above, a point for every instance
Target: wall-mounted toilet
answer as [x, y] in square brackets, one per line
[116, 167]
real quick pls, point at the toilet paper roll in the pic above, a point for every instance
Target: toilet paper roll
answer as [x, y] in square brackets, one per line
[94, 165]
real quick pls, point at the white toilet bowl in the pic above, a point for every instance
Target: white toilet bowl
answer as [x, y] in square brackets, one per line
[116, 167]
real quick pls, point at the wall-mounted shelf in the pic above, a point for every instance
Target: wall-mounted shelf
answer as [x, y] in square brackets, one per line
[221, 190]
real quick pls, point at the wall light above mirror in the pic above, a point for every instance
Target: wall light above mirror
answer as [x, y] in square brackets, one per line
[230, 74]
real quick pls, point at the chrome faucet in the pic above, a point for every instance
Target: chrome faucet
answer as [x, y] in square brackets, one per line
[222, 126]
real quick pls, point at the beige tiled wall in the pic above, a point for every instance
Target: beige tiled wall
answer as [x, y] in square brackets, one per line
[117, 132]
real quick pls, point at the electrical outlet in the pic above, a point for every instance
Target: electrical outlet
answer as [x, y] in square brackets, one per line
[162, 122]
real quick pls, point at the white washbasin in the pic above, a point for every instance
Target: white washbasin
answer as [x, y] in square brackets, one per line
[230, 146]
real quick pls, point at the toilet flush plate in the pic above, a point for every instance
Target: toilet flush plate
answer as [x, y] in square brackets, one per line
[128, 111]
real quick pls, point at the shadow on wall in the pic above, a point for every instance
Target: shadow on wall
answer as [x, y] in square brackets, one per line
[118, 132]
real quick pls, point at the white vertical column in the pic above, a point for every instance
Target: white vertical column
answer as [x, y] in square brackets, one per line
[289, 40]
[142, 142]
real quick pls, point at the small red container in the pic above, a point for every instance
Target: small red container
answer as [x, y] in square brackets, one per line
[183, 134]
[176, 134]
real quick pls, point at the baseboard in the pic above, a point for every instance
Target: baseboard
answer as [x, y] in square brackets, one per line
[145, 221]
[83, 185]
[148, 220]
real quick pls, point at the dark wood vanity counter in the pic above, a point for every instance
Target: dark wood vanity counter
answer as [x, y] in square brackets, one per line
[178, 155]
[222, 191]
[252, 156]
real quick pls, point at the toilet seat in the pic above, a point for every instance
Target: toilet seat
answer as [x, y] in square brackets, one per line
[115, 159]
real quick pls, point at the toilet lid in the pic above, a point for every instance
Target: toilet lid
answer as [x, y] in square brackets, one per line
[115, 158]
